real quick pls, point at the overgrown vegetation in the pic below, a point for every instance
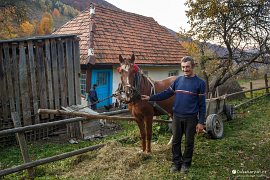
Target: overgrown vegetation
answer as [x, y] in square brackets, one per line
[243, 150]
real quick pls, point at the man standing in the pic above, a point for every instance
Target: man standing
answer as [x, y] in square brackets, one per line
[93, 97]
[188, 112]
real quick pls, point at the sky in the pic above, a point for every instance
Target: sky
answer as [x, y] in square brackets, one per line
[169, 13]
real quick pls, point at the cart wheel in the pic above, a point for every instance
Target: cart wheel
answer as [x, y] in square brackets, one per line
[214, 126]
[229, 111]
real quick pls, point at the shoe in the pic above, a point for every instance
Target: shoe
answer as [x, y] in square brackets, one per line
[184, 169]
[174, 169]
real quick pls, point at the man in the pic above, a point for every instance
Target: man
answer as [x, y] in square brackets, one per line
[93, 97]
[189, 104]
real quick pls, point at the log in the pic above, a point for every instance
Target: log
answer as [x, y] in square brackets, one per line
[91, 116]
[23, 145]
[48, 160]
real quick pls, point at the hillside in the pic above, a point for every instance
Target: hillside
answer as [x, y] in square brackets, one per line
[81, 5]
[19, 18]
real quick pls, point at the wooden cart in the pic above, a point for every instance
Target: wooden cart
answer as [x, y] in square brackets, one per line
[216, 112]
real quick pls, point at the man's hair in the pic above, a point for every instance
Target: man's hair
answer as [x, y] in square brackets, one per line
[94, 85]
[188, 59]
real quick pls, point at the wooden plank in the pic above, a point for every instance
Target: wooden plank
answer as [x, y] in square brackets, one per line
[55, 74]
[70, 72]
[73, 128]
[22, 142]
[15, 67]
[48, 64]
[5, 108]
[62, 73]
[77, 74]
[33, 80]
[24, 87]
[7, 63]
[77, 70]
[41, 83]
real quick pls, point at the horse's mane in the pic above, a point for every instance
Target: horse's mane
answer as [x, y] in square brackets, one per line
[146, 82]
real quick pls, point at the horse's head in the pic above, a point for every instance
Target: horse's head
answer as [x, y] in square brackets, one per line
[128, 70]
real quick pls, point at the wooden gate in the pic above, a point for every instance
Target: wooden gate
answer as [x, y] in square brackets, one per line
[38, 72]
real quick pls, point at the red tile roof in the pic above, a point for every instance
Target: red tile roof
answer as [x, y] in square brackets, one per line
[121, 32]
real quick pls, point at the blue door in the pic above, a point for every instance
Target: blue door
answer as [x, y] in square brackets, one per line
[103, 78]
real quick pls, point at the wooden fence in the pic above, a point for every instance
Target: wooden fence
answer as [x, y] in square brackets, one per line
[38, 72]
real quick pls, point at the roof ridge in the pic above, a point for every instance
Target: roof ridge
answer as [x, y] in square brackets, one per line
[120, 11]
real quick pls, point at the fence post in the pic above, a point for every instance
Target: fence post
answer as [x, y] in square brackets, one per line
[22, 142]
[251, 92]
[217, 92]
[266, 83]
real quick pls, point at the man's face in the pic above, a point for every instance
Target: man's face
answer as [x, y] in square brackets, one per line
[187, 68]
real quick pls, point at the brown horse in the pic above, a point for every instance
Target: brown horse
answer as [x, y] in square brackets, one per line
[134, 84]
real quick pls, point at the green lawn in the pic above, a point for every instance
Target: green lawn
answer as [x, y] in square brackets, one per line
[244, 150]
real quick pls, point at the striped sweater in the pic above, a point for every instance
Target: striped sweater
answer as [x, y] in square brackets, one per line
[189, 97]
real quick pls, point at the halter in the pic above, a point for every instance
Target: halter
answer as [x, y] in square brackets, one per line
[135, 89]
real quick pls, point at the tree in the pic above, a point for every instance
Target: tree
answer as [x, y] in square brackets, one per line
[12, 14]
[55, 12]
[46, 24]
[241, 26]
[27, 28]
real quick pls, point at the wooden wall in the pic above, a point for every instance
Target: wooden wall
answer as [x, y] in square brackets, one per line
[40, 72]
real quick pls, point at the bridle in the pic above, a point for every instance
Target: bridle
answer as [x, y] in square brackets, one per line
[132, 92]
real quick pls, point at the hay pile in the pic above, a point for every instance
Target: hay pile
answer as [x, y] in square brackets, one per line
[115, 161]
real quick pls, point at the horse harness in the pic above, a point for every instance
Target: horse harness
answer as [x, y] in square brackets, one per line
[136, 93]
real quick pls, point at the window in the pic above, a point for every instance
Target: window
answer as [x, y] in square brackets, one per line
[173, 73]
[83, 83]
[101, 78]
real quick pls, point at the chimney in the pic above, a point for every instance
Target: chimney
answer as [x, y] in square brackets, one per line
[92, 29]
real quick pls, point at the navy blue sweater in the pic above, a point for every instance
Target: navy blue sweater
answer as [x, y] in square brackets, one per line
[189, 97]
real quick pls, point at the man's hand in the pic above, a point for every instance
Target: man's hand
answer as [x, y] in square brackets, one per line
[199, 128]
[145, 97]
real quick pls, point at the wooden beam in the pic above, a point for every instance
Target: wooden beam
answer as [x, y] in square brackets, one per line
[91, 116]
[48, 64]
[24, 86]
[22, 142]
[48, 160]
[33, 79]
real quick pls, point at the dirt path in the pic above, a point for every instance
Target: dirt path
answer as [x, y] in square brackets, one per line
[255, 83]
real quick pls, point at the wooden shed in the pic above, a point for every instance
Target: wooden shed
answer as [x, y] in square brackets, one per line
[38, 72]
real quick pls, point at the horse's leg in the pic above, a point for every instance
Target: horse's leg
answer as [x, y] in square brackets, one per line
[142, 132]
[148, 128]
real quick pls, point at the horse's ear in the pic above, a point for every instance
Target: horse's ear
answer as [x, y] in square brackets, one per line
[132, 58]
[121, 60]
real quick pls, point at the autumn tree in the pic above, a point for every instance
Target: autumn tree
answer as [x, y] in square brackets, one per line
[27, 28]
[46, 24]
[241, 26]
[55, 12]
[12, 14]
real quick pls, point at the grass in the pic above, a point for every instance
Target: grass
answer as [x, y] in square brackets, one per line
[244, 150]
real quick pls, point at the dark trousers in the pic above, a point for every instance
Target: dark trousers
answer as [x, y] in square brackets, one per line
[94, 106]
[180, 126]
